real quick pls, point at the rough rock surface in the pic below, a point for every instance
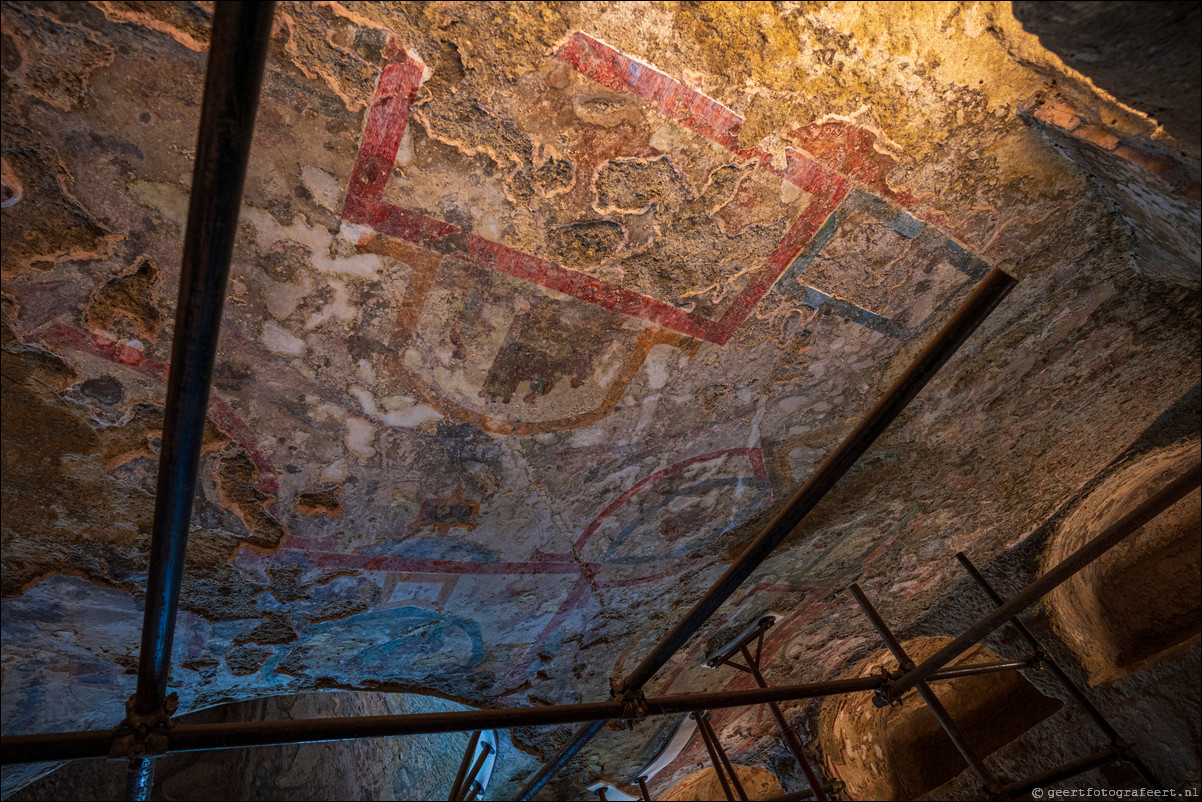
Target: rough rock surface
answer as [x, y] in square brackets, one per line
[537, 312]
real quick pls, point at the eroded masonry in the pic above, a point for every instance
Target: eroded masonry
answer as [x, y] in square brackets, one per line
[665, 401]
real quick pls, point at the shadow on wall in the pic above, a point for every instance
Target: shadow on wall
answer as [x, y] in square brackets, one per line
[1140, 603]
[900, 752]
[409, 767]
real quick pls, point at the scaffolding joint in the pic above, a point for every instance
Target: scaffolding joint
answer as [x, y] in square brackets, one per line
[633, 701]
[880, 695]
[143, 734]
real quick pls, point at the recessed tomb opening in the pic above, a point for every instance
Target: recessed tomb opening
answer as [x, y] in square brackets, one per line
[900, 752]
[1140, 602]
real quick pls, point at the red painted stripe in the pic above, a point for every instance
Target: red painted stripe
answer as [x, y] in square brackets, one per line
[221, 413]
[757, 467]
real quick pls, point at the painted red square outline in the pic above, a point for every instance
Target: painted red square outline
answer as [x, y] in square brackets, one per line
[396, 90]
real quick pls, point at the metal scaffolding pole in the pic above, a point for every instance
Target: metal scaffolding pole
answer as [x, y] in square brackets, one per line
[984, 299]
[235, 735]
[1061, 773]
[932, 701]
[752, 667]
[463, 765]
[1062, 676]
[227, 123]
[719, 758]
[1114, 534]
[233, 77]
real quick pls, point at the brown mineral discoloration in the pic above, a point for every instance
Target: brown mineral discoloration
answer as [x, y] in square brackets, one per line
[320, 502]
[128, 297]
[237, 488]
[46, 224]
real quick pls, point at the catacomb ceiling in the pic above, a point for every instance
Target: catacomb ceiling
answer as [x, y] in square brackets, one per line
[537, 311]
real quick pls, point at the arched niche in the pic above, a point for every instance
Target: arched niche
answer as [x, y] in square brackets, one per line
[901, 752]
[758, 782]
[1139, 602]
[408, 767]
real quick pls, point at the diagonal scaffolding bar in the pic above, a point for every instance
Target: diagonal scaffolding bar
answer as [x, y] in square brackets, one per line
[1114, 534]
[751, 665]
[954, 733]
[1062, 676]
[984, 299]
[227, 122]
[719, 759]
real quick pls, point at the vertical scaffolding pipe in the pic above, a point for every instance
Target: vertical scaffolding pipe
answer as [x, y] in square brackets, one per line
[941, 715]
[791, 740]
[703, 722]
[485, 751]
[1065, 680]
[714, 759]
[984, 299]
[139, 779]
[1114, 534]
[237, 51]
[642, 781]
[457, 786]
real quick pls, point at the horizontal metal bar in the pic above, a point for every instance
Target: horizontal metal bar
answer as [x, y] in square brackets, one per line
[1066, 681]
[1061, 773]
[983, 300]
[1114, 534]
[195, 737]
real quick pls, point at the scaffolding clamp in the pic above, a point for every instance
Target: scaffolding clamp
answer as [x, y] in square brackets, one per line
[634, 704]
[143, 734]
[881, 696]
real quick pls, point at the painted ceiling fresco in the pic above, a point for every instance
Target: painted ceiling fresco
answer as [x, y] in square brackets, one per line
[536, 312]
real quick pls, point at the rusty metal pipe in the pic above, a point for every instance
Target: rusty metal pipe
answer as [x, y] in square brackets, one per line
[714, 761]
[1061, 773]
[940, 712]
[139, 779]
[719, 760]
[984, 299]
[457, 786]
[475, 772]
[793, 742]
[1065, 680]
[199, 737]
[227, 122]
[1114, 534]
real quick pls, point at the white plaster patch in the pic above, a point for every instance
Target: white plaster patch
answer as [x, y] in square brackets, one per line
[324, 411]
[404, 154]
[403, 411]
[666, 138]
[279, 340]
[365, 371]
[789, 191]
[359, 436]
[322, 186]
[338, 309]
[317, 239]
[169, 200]
[334, 472]
[592, 436]
[657, 365]
[791, 404]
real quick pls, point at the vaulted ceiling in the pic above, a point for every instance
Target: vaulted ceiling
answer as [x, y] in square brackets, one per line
[537, 311]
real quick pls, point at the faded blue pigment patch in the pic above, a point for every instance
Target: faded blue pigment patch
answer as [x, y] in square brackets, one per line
[905, 225]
